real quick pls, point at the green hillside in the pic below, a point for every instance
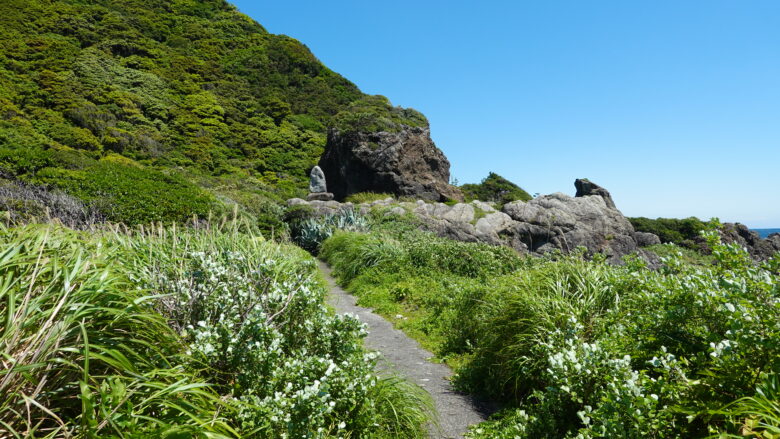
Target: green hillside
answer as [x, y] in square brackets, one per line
[163, 108]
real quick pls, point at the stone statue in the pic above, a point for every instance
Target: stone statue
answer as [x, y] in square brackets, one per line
[317, 188]
[317, 181]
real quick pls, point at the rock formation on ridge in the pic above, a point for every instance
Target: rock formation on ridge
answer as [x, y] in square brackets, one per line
[586, 187]
[404, 162]
[544, 224]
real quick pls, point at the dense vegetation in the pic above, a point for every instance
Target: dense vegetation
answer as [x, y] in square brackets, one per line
[683, 232]
[580, 348]
[495, 188]
[115, 100]
[182, 333]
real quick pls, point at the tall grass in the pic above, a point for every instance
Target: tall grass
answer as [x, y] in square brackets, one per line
[512, 320]
[581, 348]
[83, 351]
[182, 332]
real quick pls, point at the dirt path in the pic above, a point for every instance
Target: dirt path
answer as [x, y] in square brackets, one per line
[456, 411]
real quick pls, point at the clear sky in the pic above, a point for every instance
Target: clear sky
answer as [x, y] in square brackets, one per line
[673, 106]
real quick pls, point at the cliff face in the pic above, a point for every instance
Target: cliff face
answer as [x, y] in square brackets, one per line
[404, 162]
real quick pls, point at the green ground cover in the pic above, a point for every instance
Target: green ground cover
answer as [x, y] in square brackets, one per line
[182, 333]
[580, 348]
[189, 102]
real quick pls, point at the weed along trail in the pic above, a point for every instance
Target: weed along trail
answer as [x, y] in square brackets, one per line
[405, 356]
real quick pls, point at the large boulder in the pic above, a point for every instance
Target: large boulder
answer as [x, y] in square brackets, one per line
[560, 222]
[645, 239]
[405, 162]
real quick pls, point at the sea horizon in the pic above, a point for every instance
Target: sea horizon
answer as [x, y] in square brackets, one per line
[766, 232]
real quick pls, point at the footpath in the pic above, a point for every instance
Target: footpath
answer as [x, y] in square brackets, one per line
[405, 356]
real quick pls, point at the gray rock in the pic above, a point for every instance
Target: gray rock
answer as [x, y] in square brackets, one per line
[644, 239]
[561, 222]
[398, 210]
[459, 213]
[319, 196]
[296, 202]
[494, 223]
[759, 249]
[485, 207]
[586, 188]
[555, 222]
[317, 181]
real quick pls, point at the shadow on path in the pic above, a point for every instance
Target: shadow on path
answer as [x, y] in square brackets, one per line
[407, 358]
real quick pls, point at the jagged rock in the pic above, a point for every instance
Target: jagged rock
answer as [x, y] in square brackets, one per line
[561, 222]
[547, 223]
[774, 239]
[644, 239]
[405, 163]
[586, 187]
[759, 249]
[317, 181]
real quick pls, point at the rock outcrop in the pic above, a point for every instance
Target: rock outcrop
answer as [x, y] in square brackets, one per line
[404, 163]
[544, 224]
[561, 222]
[586, 188]
[759, 249]
[555, 222]
[645, 239]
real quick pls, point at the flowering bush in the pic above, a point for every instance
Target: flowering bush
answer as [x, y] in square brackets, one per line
[253, 318]
[580, 348]
[661, 362]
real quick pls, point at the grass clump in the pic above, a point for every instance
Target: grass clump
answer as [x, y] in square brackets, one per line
[367, 197]
[84, 352]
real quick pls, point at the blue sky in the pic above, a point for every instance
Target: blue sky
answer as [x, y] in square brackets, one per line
[674, 106]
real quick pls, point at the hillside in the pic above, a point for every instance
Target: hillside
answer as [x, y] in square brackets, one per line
[188, 106]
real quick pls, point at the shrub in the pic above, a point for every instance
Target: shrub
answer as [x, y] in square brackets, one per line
[133, 195]
[252, 315]
[372, 114]
[25, 203]
[495, 188]
[170, 332]
[682, 232]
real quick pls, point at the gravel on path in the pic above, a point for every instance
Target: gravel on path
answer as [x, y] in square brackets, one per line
[408, 359]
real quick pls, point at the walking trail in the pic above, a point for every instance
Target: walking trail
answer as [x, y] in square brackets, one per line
[407, 358]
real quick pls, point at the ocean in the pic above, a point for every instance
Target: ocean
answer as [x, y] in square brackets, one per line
[766, 232]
